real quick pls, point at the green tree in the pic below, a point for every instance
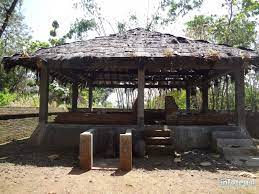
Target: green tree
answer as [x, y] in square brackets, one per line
[237, 28]
[6, 12]
[14, 39]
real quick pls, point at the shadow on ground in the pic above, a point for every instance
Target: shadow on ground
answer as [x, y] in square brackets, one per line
[21, 153]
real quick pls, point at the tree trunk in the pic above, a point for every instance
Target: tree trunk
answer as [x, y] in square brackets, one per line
[8, 14]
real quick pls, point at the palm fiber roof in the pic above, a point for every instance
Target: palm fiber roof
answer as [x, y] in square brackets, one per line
[128, 49]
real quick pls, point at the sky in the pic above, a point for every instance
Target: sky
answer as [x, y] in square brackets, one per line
[39, 14]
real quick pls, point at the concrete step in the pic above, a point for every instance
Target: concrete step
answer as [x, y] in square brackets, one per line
[159, 150]
[157, 133]
[228, 134]
[241, 151]
[158, 141]
[233, 143]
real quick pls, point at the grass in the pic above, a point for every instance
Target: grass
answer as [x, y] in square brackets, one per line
[23, 110]
[14, 129]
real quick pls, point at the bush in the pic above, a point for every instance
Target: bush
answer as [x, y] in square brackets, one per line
[6, 98]
[26, 100]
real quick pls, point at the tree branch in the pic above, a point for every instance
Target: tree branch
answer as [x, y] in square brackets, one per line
[7, 16]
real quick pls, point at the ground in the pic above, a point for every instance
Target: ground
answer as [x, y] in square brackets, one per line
[28, 169]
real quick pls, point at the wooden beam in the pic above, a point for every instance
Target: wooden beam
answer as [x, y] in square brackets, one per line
[90, 98]
[141, 87]
[74, 95]
[240, 99]
[205, 102]
[177, 62]
[44, 93]
[136, 86]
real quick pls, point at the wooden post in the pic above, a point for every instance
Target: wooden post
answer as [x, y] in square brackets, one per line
[44, 93]
[188, 99]
[141, 86]
[204, 90]
[126, 151]
[240, 99]
[74, 95]
[90, 99]
[86, 150]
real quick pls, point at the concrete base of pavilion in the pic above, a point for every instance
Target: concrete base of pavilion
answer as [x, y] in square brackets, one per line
[67, 135]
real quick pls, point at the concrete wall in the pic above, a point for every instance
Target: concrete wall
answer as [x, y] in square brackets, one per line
[183, 137]
[68, 135]
[252, 124]
[191, 137]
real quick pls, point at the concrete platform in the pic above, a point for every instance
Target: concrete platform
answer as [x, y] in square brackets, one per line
[249, 150]
[233, 143]
[228, 134]
[248, 161]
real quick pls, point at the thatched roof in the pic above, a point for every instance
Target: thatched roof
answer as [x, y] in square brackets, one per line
[130, 48]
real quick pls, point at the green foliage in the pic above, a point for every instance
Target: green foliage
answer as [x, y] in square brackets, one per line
[53, 34]
[55, 24]
[100, 96]
[14, 40]
[180, 8]
[158, 101]
[237, 28]
[79, 28]
[200, 27]
[180, 98]
[26, 100]
[6, 98]
[121, 27]
[35, 45]
[58, 93]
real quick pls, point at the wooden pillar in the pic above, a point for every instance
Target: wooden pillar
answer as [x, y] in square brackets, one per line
[204, 90]
[188, 99]
[90, 98]
[86, 150]
[44, 93]
[141, 86]
[74, 95]
[240, 99]
[126, 150]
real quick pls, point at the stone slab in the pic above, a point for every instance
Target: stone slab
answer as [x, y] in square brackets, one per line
[126, 151]
[230, 142]
[228, 134]
[86, 150]
[248, 161]
[244, 151]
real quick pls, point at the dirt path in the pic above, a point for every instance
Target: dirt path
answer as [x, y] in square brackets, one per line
[26, 169]
[30, 179]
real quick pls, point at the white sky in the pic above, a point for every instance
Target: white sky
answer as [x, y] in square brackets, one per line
[39, 14]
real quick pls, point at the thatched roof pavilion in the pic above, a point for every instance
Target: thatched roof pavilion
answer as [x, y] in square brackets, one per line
[138, 59]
